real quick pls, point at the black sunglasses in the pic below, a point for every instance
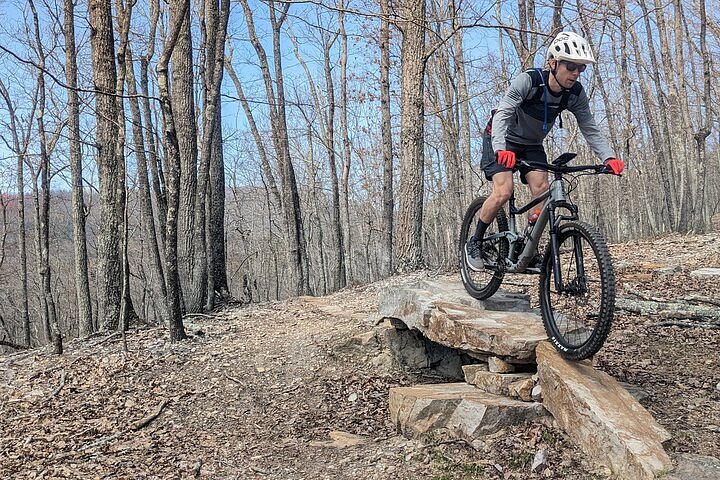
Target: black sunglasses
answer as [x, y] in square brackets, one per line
[572, 66]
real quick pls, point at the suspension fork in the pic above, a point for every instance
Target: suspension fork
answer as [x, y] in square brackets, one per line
[555, 249]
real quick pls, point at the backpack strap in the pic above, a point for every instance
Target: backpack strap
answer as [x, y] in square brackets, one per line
[538, 80]
[574, 90]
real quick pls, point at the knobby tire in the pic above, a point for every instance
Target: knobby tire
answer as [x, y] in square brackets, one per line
[599, 265]
[482, 285]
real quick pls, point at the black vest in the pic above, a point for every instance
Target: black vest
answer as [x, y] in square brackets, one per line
[535, 106]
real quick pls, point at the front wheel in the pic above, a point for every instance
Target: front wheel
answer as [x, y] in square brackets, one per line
[483, 284]
[578, 313]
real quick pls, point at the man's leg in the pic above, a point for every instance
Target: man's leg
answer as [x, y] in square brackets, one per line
[501, 192]
[537, 180]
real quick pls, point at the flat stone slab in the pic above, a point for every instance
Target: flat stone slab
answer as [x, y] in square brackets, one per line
[489, 382]
[601, 417]
[461, 409]
[444, 313]
[706, 273]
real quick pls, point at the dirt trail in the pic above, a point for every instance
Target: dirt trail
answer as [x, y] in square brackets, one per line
[257, 391]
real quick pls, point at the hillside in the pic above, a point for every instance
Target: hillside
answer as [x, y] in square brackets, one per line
[263, 391]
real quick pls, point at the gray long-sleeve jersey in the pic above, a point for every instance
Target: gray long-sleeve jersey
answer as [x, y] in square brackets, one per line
[521, 123]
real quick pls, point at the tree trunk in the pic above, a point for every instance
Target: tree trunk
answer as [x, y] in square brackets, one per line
[702, 215]
[172, 154]
[82, 283]
[211, 127]
[387, 144]
[124, 12]
[412, 158]
[109, 268]
[20, 173]
[183, 105]
[42, 204]
[346, 241]
[148, 217]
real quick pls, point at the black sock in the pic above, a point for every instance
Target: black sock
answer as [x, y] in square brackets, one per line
[480, 230]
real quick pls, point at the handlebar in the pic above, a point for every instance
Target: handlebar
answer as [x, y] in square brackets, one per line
[556, 168]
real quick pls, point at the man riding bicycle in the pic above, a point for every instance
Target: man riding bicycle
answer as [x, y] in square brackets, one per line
[521, 122]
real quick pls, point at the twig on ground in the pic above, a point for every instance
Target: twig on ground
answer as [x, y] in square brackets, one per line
[677, 323]
[102, 440]
[14, 345]
[449, 442]
[146, 421]
[57, 390]
[236, 380]
[699, 299]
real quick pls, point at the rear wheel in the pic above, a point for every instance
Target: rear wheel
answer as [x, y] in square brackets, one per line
[482, 284]
[578, 315]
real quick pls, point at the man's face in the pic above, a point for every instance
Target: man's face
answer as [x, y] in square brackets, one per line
[567, 73]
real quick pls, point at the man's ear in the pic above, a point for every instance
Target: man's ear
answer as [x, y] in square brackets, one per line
[552, 63]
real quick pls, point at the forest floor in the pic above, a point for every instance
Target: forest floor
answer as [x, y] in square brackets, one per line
[264, 391]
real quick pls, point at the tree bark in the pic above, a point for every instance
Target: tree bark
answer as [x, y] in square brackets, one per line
[42, 204]
[173, 163]
[109, 268]
[82, 283]
[346, 241]
[412, 158]
[209, 153]
[148, 216]
[20, 152]
[387, 143]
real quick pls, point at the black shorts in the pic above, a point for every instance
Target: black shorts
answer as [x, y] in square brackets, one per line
[531, 153]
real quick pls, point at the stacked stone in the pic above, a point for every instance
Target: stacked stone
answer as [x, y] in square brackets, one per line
[518, 377]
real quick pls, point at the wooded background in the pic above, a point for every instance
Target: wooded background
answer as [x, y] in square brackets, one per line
[158, 157]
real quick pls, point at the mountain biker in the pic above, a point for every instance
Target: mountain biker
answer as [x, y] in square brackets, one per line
[521, 122]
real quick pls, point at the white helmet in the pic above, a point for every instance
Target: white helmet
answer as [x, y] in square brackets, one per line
[571, 47]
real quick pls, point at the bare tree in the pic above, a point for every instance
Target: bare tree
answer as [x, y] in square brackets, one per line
[109, 267]
[179, 11]
[42, 203]
[702, 213]
[191, 257]
[345, 131]
[209, 152]
[387, 142]
[20, 150]
[148, 217]
[326, 126]
[82, 282]
[276, 98]
[412, 24]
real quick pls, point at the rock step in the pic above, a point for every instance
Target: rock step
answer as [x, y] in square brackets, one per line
[444, 313]
[489, 382]
[458, 407]
[601, 417]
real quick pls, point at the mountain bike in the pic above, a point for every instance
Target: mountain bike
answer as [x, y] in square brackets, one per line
[577, 282]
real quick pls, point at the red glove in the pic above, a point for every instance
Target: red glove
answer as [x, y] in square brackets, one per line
[506, 158]
[616, 165]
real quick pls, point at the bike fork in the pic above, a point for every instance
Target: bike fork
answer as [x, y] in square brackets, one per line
[579, 263]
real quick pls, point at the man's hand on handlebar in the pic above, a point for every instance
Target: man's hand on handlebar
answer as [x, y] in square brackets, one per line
[615, 166]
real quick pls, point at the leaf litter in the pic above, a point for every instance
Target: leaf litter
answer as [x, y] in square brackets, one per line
[282, 390]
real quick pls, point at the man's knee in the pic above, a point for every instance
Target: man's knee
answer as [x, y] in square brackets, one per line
[502, 192]
[539, 188]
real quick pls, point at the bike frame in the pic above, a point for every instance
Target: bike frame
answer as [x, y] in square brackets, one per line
[555, 199]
